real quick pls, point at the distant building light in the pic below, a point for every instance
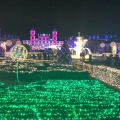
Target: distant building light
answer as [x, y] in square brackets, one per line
[89, 37]
[98, 36]
[106, 36]
[110, 36]
[93, 37]
[115, 35]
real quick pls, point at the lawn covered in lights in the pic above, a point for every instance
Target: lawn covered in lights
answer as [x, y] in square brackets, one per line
[59, 100]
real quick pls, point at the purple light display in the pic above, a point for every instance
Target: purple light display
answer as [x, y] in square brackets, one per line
[118, 49]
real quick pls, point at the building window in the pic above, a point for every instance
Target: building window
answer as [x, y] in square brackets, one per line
[32, 33]
[32, 42]
[54, 38]
[55, 33]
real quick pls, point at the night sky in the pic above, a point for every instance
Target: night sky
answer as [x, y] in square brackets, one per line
[90, 17]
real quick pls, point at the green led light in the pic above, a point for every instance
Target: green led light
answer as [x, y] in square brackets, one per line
[60, 99]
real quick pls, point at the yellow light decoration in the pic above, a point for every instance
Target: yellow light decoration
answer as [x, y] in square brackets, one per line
[114, 50]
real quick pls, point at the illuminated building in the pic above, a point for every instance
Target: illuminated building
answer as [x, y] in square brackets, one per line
[42, 41]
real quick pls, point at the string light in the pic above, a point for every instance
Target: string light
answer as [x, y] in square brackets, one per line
[108, 75]
[59, 99]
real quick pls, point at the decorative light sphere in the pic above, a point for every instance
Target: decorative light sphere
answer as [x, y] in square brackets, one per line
[18, 43]
[18, 53]
[112, 44]
[102, 45]
[8, 42]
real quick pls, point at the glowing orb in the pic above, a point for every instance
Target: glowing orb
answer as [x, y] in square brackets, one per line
[112, 44]
[18, 43]
[8, 42]
[102, 45]
[18, 53]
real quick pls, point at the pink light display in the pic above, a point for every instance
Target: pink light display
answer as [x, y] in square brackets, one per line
[54, 36]
[32, 36]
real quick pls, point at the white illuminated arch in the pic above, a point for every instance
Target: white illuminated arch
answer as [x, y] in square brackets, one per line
[89, 51]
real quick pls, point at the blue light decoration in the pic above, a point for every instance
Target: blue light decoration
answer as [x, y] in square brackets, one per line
[71, 42]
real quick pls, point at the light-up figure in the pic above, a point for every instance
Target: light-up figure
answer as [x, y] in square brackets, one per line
[80, 43]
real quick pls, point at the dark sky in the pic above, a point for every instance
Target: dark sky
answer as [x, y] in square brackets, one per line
[67, 16]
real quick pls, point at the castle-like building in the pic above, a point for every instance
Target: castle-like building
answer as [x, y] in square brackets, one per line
[43, 41]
